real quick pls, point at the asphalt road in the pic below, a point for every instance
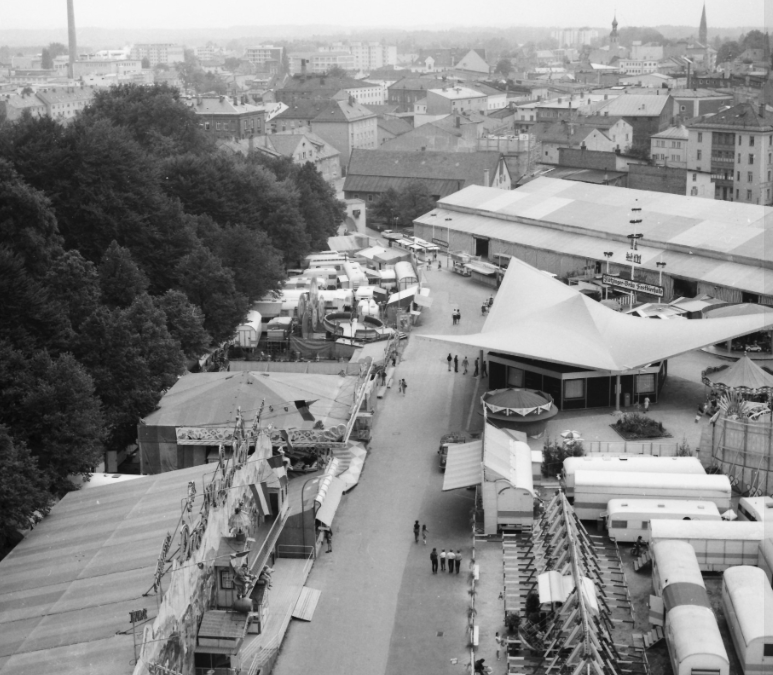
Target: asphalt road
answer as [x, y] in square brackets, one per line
[381, 610]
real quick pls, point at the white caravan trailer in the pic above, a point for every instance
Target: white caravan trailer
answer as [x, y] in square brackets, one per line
[717, 545]
[748, 603]
[594, 489]
[692, 635]
[629, 519]
[630, 463]
[755, 509]
[765, 558]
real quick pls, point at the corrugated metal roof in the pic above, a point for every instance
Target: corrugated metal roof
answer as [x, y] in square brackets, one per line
[218, 623]
[67, 589]
[733, 237]
[463, 465]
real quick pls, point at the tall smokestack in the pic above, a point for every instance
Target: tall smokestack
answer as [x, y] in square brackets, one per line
[71, 43]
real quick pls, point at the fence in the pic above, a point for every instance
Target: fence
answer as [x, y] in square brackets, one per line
[741, 449]
[654, 448]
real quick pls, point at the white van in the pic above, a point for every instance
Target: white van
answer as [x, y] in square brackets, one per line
[755, 509]
[629, 519]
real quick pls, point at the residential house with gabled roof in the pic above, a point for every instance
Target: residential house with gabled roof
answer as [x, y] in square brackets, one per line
[229, 116]
[647, 114]
[323, 88]
[372, 172]
[474, 62]
[669, 147]
[13, 105]
[407, 91]
[346, 125]
[391, 127]
[432, 137]
[298, 115]
[455, 100]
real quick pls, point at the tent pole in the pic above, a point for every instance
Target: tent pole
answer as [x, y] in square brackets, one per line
[617, 393]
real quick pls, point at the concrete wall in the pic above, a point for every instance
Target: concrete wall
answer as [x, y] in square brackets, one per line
[587, 159]
[657, 178]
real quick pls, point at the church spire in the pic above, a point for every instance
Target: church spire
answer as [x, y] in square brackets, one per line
[703, 31]
[613, 34]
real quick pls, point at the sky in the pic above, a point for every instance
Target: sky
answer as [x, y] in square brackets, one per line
[48, 14]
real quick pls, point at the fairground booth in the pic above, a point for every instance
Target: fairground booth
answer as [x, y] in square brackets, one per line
[544, 335]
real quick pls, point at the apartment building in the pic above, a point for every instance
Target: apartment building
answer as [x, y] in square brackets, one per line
[346, 125]
[320, 62]
[262, 53]
[158, 52]
[372, 55]
[229, 117]
[736, 145]
[669, 147]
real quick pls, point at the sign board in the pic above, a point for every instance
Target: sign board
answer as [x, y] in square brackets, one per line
[636, 286]
[440, 242]
[137, 615]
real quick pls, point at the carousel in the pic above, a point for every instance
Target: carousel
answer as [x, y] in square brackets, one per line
[743, 385]
[526, 410]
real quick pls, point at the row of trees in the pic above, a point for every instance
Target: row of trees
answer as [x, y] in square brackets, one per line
[130, 243]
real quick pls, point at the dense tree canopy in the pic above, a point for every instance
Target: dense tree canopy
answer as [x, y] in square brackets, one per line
[399, 208]
[129, 242]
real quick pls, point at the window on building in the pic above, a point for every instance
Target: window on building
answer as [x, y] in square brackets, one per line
[645, 383]
[739, 157]
[700, 155]
[694, 192]
[515, 377]
[749, 195]
[751, 141]
[700, 137]
[737, 193]
[749, 176]
[751, 158]
[574, 388]
[739, 139]
[738, 175]
[767, 649]
[694, 177]
[619, 525]
[226, 579]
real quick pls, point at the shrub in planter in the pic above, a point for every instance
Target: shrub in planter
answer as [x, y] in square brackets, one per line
[639, 426]
[554, 453]
[513, 622]
[532, 603]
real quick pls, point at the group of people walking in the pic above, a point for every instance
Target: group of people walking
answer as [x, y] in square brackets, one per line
[480, 369]
[446, 559]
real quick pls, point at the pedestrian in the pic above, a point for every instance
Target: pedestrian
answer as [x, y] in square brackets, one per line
[458, 560]
[646, 404]
[458, 316]
[434, 255]
[491, 301]
[449, 358]
[424, 532]
[483, 369]
[479, 667]
[438, 265]
[329, 539]
[498, 640]
[433, 558]
[453, 318]
[450, 557]
[416, 530]
[465, 363]
[699, 414]
[475, 374]
[383, 377]
[394, 360]
[456, 364]
[443, 560]
[400, 386]
[484, 308]
[404, 386]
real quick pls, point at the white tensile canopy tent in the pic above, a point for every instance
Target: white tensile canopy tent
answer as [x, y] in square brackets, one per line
[537, 317]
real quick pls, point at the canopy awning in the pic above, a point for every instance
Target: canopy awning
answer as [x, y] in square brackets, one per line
[423, 301]
[537, 317]
[327, 509]
[463, 465]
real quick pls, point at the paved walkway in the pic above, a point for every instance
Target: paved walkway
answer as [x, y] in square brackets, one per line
[382, 611]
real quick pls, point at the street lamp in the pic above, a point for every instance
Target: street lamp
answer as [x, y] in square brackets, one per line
[303, 514]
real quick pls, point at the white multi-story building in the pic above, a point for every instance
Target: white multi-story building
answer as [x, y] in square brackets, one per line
[669, 147]
[372, 55]
[156, 53]
[637, 67]
[321, 62]
[262, 53]
[574, 37]
[646, 52]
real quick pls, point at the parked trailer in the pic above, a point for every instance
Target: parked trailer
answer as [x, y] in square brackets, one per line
[629, 519]
[765, 558]
[694, 642]
[755, 509]
[645, 463]
[594, 489]
[717, 545]
[748, 603]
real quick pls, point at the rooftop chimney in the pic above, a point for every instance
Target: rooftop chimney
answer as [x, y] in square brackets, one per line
[72, 46]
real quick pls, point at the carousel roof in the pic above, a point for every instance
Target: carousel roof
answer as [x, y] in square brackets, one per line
[538, 317]
[517, 401]
[743, 375]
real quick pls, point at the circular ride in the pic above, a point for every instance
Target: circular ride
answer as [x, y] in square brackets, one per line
[526, 410]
